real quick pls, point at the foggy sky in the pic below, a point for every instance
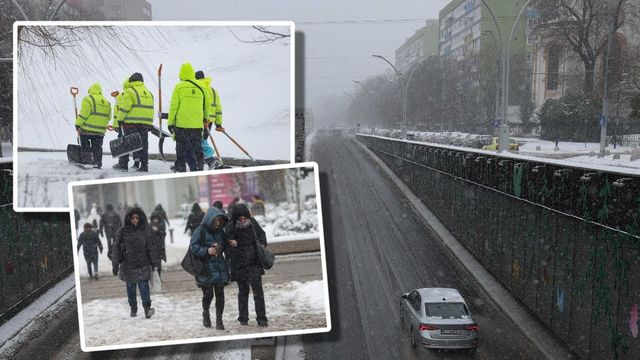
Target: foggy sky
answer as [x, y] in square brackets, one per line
[335, 53]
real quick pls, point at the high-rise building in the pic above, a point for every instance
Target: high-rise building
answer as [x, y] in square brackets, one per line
[110, 10]
[422, 44]
[124, 9]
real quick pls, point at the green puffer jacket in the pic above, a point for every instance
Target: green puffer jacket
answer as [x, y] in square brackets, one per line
[188, 109]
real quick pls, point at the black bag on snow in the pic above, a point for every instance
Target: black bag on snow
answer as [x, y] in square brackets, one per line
[193, 264]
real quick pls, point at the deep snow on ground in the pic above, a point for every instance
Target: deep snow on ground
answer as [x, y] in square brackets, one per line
[290, 306]
[176, 250]
[253, 81]
[43, 176]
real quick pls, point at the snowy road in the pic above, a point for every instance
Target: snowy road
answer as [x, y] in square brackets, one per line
[377, 248]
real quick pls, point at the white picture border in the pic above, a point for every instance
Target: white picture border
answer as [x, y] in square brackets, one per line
[323, 259]
[16, 67]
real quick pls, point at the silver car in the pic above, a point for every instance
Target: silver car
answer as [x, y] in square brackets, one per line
[438, 318]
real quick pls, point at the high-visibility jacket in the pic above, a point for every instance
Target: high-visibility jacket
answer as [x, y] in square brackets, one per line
[95, 111]
[137, 105]
[189, 107]
[215, 112]
[119, 100]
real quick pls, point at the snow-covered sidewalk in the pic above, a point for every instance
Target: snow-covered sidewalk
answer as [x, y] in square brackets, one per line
[290, 306]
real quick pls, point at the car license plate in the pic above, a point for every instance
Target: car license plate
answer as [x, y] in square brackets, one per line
[450, 332]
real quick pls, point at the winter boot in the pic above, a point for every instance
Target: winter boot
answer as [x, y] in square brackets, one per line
[244, 323]
[148, 311]
[219, 325]
[143, 167]
[210, 162]
[120, 167]
[134, 312]
[263, 323]
[136, 164]
[206, 319]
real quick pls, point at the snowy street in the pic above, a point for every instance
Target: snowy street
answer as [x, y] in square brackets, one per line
[294, 302]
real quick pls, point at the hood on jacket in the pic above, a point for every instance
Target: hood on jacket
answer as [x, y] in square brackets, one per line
[212, 213]
[187, 73]
[95, 89]
[109, 207]
[125, 84]
[240, 210]
[206, 82]
[158, 208]
[196, 209]
[142, 222]
[136, 77]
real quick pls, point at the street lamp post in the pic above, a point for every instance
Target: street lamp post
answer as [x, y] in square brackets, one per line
[399, 74]
[498, 69]
[406, 93]
[504, 128]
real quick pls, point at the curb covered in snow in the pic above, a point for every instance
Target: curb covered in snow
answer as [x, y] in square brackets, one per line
[539, 336]
[31, 321]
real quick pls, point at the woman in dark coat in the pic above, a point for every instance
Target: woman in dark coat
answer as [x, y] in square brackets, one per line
[207, 243]
[158, 234]
[132, 259]
[241, 235]
[195, 218]
[159, 211]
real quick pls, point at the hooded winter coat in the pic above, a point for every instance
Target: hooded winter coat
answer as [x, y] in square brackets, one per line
[217, 267]
[244, 258]
[215, 111]
[195, 218]
[95, 112]
[189, 102]
[132, 252]
[159, 211]
[157, 239]
[110, 221]
[136, 106]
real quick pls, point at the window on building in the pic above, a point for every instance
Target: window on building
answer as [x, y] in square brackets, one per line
[553, 67]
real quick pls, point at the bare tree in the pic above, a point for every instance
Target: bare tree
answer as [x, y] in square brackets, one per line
[264, 35]
[583, 25]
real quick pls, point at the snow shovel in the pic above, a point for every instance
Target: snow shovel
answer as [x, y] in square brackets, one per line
[126, 145]
[161, 134]
[75, 153]
[222, 165]
[240, 147]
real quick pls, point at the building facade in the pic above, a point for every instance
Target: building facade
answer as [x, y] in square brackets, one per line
[422, 44]
[109, 10]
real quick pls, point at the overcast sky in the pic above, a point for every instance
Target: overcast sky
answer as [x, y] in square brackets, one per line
[339, 35]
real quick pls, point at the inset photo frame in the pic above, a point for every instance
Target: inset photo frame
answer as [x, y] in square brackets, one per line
[175, 259]
[95, 100]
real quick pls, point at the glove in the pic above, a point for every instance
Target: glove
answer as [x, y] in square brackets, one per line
[164, 115]
[77, 128]
[219, 128]
[115, 271]
[205, 134]
[172, 129]
[120, 131]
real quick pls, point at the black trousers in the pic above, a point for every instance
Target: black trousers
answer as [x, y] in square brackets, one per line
[188, 149]
[258, 298]
[142, 155]
[93, 143]
[111, 236]
[207, 297]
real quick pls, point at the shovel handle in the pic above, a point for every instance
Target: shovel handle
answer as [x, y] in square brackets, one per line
[74, 91]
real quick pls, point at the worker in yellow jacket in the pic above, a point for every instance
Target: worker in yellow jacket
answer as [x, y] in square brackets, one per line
[135, 115]
[187, 119]
[92, 122]
[215, 117]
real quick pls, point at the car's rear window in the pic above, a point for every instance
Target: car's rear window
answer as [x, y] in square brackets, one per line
[446, 310]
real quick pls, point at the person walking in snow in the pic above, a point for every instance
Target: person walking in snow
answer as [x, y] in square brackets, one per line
[90, 243]
[215, 117]
[257, 207]
[135, 115]
[110, 222]
[92, 122]
[208, 244]
[195, 218]
[241, 235]
[158, 234]
[159, 211]
[187, 119]
[94, 217]
[132, 259]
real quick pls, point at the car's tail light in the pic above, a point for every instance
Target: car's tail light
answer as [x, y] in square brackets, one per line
[472, 328]
[424, 327]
